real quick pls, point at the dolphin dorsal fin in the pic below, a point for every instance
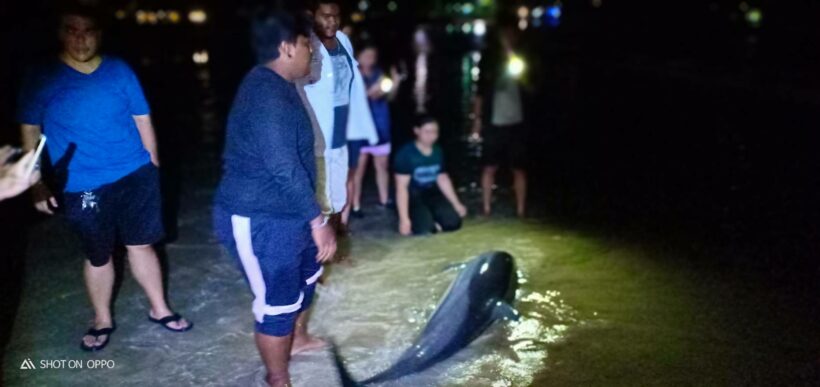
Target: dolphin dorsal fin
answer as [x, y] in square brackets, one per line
[505, 311]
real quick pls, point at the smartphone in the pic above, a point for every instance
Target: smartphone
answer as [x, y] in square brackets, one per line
[35, 162]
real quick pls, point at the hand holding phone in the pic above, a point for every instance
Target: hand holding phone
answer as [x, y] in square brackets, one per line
[35, 162]
[19, 175]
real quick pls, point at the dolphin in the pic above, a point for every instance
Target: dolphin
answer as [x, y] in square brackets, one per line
[482, 293]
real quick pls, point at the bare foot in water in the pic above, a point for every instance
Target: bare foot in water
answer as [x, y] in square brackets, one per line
[302, 344]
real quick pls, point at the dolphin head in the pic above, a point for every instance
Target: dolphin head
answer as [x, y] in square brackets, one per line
[495, 277]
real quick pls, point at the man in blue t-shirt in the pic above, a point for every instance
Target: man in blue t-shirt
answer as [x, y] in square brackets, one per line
[104, 152]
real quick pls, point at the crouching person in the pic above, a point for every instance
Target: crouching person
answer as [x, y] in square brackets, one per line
[265, 209]
[425, 198]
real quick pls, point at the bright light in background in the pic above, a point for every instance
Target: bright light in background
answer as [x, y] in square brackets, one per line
[523, 12]
[479, 27]
[392, 6]
[173, 17]
[555, 11]
[537, 12]
[516, 66]
[522, 24]
[363, 5]
[386, 85]
[466, 28]
[120, 14]
[467, 9]
[201, 57]
[141, 17]
[476, 56]
[197, 16]
[754, 17]
[357, 17]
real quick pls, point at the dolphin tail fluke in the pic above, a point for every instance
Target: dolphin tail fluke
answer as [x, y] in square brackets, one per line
[505, 311]
[344, 376]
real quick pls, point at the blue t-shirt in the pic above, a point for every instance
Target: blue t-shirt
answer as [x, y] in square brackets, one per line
[343, 77]
[423, 169]
[88, 118]
[379, 107]
[269, 165]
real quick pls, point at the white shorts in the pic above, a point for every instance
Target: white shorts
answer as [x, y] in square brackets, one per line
[377, 150]
[336, 169]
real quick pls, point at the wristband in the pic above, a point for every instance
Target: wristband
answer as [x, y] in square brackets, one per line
[325, 219]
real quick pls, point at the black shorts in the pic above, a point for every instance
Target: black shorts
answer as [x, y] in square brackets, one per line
[505, 146]
[354, 149]
[128, 211]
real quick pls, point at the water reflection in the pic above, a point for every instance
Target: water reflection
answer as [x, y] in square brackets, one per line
[375, 309]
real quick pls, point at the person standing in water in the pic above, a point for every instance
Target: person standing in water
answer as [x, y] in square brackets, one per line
[498, 117]
[380, 91]
[265, 211]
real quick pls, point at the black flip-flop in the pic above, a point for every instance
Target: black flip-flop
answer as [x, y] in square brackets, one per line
[168, 319]
[97, 333]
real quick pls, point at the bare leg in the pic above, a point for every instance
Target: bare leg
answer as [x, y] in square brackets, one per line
[487, 182]
[520, 186]
[275, 352]
[145, 267]
[358, 177]
[99, 282]
[302, 341]
[349, 185]
[382, 177]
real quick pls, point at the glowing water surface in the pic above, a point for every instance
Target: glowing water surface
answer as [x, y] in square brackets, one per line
[374, 309]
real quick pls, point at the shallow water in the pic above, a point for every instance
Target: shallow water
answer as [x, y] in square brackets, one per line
[595, 311]
[375, 309]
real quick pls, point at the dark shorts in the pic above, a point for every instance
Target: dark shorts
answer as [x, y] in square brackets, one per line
[354, 149]
[505, 146]
[128, 211]
[278, 259]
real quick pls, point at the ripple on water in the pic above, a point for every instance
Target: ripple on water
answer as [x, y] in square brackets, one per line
[375, 309]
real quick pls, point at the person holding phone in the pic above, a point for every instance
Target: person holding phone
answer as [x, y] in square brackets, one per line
[104, 153]
[15, 177]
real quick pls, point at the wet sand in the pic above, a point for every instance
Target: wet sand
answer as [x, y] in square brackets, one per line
[596, 311]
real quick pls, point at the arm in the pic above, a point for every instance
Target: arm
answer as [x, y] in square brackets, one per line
[13, 177]
[148, 136]
[375, 91]
[445, 185]
[272, 136]
[321, 187]
[42, 196]
[397, 78]
[403, 203]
